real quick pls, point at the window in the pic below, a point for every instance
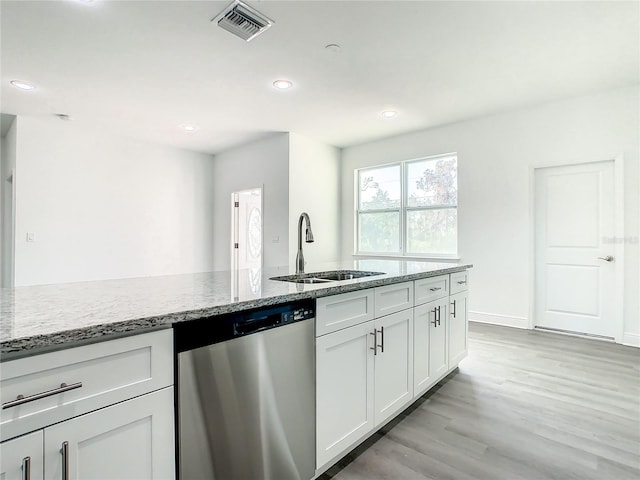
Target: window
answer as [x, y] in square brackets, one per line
[408, 208]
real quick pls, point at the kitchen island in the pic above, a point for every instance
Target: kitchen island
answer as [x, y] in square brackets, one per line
[89, 369]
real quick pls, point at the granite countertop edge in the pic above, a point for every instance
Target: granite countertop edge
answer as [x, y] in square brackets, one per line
[72, 337]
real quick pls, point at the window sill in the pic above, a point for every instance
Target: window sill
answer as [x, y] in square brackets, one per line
[448, 258]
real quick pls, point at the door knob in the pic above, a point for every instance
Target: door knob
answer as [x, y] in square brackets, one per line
[608, 258]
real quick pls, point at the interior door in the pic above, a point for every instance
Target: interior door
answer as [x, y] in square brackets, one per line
[247, 230]
[575, 287]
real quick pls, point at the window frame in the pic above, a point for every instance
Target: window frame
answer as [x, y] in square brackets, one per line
[402, 210]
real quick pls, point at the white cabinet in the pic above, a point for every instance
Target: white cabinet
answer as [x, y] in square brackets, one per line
[393, 364]
[343, 310]
[364, 373]
[430, 344]
[99, 411]
[459, 282]
[368, 370]
[344, 389]
[94, 376]
[393, 298]
[22, 458]
[132, 439]
[458, 326]
[430, 289]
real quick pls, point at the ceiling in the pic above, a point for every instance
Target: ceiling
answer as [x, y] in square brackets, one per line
[143, 68]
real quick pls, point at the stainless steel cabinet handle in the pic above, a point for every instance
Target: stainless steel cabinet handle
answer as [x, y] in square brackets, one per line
[608, 258]
[453, 312]
[439, 315]
[21, 399]
[462, 282]
[435, 317]
[435, 289]
[381, 339]
[26, 468]
[375, 341]
[65, 460]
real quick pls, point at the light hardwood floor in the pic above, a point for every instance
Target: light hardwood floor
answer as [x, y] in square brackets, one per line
[523, 405]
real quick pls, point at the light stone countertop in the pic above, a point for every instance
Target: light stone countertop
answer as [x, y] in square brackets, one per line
[41, 318]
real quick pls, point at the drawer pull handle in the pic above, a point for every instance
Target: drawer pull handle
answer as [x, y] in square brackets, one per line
[462, 282]
[439, 315]
[381, 339]
[435, 316]
[65, 460]
[26, 468]
[375, 342]
[435, 289]
[21, 399]
[453, 312]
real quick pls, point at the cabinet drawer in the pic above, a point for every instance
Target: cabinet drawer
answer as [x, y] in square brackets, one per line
[429, 289]
[459, 282]
[393, 298]
[343, 310]
[102, 374]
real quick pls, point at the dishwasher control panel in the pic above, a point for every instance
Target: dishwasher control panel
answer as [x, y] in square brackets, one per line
[298, 314]
[220, 328]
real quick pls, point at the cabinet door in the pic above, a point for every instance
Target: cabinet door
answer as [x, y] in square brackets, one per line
[344, 389]
[422, 379]
[438, 358]
[132, 439]
[457, 328]
[21, 458]
[393, 364]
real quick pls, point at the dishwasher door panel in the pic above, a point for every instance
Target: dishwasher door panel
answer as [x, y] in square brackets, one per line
[247, 407]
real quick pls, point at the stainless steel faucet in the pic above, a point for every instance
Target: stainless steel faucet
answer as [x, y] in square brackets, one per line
[308, 239]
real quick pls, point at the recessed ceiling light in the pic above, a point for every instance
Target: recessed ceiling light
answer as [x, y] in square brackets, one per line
[189, 128]
[389, 113]
[282, 84]
[23, 85]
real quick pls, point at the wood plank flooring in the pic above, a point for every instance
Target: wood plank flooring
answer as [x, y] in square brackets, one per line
[523, 405]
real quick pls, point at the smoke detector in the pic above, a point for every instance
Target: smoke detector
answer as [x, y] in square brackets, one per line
[242, 20]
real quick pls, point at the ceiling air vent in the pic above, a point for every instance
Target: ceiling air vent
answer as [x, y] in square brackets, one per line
[242, 20]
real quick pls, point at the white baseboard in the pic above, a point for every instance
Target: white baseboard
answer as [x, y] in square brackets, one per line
[631, 339]
[497, 319]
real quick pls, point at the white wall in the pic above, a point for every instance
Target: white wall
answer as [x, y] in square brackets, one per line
[103, 206]
[7, 165]
[264, 163]
[495, 159]
[314, 187]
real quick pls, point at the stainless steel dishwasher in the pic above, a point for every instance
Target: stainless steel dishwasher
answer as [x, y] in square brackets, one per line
[246, 395]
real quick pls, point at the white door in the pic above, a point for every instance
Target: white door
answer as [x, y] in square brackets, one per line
[21, 458]
[344, 389]
[575, 287]
[247, 229]
[128, 440]
[393, 364]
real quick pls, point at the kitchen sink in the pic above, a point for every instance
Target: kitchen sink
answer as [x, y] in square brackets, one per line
[305, 280]
[325, 277]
